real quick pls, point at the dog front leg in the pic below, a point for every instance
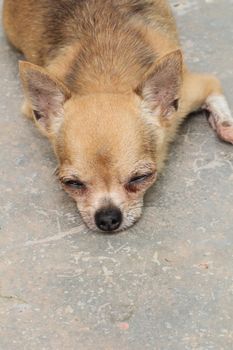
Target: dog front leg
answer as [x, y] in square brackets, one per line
[205, 92]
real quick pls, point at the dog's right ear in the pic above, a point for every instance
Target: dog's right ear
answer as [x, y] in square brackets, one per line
[46, 95]
[160, 91]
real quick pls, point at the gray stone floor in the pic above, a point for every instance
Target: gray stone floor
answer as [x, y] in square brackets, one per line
[166, 284]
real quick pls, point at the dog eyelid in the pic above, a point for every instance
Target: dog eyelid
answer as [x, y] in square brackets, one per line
[139, 178]
[73, 183]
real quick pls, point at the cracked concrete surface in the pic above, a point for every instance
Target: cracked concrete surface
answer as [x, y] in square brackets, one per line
[167, 283]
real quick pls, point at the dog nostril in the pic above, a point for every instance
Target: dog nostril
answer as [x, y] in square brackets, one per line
[108, 219]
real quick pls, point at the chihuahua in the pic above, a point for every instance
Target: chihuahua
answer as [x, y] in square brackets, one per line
[105, 81]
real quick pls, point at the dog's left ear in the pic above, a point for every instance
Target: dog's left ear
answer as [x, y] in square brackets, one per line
[46, 95]
[160, 91]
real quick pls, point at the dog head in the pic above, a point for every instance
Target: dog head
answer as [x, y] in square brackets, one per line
[108, 145]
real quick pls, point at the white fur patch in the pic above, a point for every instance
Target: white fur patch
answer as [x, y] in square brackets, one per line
[217, 105]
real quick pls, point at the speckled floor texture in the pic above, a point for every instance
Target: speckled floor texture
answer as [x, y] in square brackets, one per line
[165, 284]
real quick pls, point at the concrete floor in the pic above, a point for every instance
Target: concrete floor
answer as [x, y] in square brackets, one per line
[166, 284]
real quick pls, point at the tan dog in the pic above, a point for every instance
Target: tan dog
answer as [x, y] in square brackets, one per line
[110, 96]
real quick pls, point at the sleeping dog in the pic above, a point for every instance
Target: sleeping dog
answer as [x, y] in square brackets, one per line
[105, 81]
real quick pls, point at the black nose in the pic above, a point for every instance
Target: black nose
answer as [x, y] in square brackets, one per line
[108, 219]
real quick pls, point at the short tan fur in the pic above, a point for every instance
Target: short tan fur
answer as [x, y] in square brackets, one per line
[105, 81]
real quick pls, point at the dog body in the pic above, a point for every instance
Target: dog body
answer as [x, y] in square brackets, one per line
[106, 83]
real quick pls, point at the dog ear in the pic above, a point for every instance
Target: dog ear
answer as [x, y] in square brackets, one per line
[46, 95]
[160, 91]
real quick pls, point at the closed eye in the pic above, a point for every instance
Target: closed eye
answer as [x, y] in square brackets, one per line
[138, 182]
[75, 184]
[139, 179]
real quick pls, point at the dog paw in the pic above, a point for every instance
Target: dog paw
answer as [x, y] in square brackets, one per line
[223, 129]
[220, 117]
[225, 132]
